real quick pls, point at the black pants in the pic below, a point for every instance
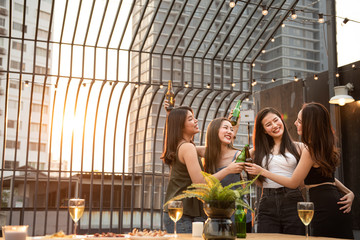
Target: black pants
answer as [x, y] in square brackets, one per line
[278, 211]
[328, 220]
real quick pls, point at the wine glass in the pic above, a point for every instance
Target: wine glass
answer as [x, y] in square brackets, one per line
[76, 210]
[306, 213]
[175, 210]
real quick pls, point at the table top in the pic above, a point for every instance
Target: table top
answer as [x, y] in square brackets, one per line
[254, 236]
[261, 236]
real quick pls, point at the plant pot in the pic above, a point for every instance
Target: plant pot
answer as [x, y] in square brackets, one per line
[219, 224]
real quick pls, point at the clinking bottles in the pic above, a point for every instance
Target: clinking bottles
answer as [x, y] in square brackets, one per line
[240, 221]
[236, 113]
[170, 96]
[242, 155]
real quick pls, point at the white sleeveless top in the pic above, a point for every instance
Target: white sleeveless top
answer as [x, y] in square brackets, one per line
[280, 165]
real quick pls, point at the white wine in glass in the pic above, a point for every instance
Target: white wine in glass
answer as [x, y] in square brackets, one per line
[306, 213]
[175, 211]
[76, 210]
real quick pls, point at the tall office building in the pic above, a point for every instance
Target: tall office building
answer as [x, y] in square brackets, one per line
[21, 56]
[298, 51]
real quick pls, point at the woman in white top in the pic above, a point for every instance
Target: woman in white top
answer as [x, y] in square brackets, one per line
[275, 151]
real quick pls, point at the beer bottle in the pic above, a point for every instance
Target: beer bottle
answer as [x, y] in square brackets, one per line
[236, 113]
[249, 160]
[242, 156]
[240, 221]
[170, 96]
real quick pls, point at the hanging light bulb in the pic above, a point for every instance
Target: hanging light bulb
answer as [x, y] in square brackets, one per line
[321, 18]
[353, 66]
[293, 14]
[208, 85]
[186, 84]
[247, 99]
[161, 86]
[110, 83]
[253, 64]
[26, 83]
[272, 39]
[345, 21]
[296, 78]
[136, 86]
[233, 84]
[316, 77]
[283, 25]
[253, 83]
[263, 51]
[264, 11]
[273, 80]
[337, 75]
[232, 3]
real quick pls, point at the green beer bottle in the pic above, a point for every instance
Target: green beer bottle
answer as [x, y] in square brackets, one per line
[236, 113]
[240, 221]
[242, 155]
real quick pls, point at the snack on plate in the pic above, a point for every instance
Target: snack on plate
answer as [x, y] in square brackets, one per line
[108, 234]
[59, 234]
[147, 233]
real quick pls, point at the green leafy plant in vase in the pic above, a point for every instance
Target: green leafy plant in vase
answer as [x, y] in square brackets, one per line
[219, 204]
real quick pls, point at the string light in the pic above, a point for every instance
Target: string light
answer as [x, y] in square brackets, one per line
[263, 51]
[161, 86]
[253, 64]
[232, 3]
[26, 83]
[296, 78]
[186, 84]
[273, 79]
[233, 84]
[253, 83]
[283, 25]
[316, 77]
[293, 14]
[321, 18]
[264, 11]
[345, 21]
[136, 86]
[247, 99]
[272, 39]
[337, 75]
[208, 85]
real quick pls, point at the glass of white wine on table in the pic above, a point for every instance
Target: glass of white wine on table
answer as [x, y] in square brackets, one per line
[76, 210]
[175, 211]
[306, 213]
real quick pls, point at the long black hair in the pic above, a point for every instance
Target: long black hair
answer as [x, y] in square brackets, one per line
[213, 145]
[263, 143]
[175, 124]
[318, 135]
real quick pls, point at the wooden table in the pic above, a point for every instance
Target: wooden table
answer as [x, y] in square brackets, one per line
[261, 236]
[254, 236]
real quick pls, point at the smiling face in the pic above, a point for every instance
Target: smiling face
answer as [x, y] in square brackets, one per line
[273, 125]
[190, 126]
[226, 132]
[298, 123]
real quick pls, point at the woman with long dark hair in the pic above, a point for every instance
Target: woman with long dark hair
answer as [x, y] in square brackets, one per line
[317, 165]
[275, 151]
[185, 168]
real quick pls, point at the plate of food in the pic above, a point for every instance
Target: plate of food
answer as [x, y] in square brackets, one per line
[148, 234]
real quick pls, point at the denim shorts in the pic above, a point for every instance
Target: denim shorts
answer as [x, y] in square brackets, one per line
[278, 211]
[184, 225]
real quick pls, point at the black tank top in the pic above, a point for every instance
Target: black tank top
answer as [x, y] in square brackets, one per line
[315, 177]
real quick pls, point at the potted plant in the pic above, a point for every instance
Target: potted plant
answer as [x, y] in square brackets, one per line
[219, 204]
